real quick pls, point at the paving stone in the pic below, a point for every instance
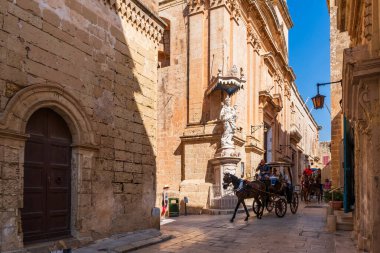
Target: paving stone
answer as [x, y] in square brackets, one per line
[303, 233]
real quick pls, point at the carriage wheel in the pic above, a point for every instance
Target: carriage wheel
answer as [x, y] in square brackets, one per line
[270, 203]
[294, 203]
[281, 207]
[257, 207]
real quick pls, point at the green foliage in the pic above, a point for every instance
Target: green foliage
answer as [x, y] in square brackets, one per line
[338, 196]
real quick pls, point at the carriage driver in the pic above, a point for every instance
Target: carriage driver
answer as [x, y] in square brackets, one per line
[264, 170]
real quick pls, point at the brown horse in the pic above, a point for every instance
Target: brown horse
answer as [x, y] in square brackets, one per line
[315, 189]
[310, 186]
[305, 184]
[255, 189]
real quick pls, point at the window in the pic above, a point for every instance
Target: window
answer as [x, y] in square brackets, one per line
[326, 159]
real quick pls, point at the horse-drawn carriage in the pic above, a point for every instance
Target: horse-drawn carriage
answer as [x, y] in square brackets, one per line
[280, 191]
[272, 192]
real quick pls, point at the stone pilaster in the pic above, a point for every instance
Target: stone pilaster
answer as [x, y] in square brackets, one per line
[197, 55]
[339, 41]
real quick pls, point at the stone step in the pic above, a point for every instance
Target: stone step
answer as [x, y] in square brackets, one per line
[47, 247]
[345, 226]
[126, 242]
[344, 221]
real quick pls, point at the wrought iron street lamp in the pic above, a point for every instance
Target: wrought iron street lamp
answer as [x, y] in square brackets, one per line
[319, 100]
[257, 127]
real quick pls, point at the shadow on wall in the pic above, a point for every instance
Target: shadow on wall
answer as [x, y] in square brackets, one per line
[337, 172]
[105, 60]
[133, 76]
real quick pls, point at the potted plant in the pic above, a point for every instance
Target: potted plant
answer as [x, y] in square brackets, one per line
[335, 199]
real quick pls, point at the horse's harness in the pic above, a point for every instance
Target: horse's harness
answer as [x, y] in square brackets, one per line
[225, 185]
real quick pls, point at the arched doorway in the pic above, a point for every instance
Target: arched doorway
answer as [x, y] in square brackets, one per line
[47, 177]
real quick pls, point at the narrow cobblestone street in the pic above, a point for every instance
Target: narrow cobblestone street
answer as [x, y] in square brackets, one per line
[303, 232]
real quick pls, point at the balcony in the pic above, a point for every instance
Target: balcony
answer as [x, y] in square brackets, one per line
[273, 102]
[295, 133]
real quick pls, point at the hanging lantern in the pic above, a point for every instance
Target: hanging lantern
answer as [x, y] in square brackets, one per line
[318, 101]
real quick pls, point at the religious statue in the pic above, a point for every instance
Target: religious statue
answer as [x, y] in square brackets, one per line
[228, 116]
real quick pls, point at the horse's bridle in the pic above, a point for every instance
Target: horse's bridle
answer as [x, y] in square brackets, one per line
[225, 185]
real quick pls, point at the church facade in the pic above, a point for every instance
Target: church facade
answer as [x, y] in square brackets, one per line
[212, 50]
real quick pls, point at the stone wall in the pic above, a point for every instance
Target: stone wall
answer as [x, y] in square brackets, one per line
[338, 42]
[95, 65]
[361, 107]
[172, 100]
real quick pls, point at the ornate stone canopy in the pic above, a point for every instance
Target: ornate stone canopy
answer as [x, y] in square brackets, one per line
[230, 83]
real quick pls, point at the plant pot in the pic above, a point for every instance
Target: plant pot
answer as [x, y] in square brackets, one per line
[336, 205]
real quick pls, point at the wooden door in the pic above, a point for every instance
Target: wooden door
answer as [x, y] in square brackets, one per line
[47, 178]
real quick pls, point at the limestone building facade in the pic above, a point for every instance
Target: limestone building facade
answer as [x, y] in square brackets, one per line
[361, 115]
[207, 41]
[78, 118]
[338, 42]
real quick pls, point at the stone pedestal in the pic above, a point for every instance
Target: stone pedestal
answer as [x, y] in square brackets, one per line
[226, 160]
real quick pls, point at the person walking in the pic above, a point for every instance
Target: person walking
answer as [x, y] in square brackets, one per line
[165, 201]
[307, 171]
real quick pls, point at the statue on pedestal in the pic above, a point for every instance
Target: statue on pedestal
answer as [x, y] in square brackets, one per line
[228, 116]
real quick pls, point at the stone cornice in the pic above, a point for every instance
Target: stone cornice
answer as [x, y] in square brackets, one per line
[266, 37]
[254, 149]
[140, 17]
[283, 7]
[259, 13]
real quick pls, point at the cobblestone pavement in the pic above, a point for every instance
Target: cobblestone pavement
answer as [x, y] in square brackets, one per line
[302, 232]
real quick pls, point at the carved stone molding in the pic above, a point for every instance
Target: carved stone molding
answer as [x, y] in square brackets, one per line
[253, 39]
[233, 7]
[368, 19]
[278, 78]
[364, 103]
[368, 110]
[139, 18]
[196, 6]
[287, 91]
[216, 3]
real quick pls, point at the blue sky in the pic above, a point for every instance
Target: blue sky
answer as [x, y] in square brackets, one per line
[309, 54]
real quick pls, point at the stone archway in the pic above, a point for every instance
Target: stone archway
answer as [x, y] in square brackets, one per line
[13, 122]
[53, 96]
